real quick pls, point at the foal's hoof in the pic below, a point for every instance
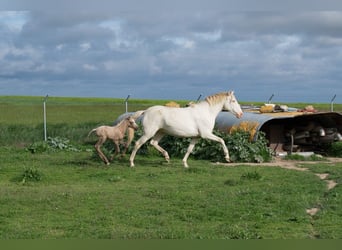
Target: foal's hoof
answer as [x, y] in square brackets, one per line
[228, 160]
[107, 163]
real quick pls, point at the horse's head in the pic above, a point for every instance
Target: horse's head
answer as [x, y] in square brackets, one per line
[132, 123]
[232, 105]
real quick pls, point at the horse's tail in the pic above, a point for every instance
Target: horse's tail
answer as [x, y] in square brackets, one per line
[130, 136]
[93, 130]
[137, 114]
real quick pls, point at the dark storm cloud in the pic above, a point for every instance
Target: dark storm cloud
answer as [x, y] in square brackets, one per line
[171, 54]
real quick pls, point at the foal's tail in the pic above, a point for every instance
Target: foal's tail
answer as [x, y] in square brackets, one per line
[93, 130]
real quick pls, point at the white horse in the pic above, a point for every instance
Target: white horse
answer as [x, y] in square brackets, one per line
[195, 122]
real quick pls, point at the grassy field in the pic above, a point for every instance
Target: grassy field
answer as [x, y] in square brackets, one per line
[63, 195]
[76, 196]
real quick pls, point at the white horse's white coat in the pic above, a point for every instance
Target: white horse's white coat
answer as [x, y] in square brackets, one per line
[196, 121]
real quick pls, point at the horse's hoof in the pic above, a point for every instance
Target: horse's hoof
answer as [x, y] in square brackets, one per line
[107, 163]
[228, 160]
[185, 164]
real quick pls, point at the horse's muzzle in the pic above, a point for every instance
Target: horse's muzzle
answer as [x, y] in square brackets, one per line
[238, 115]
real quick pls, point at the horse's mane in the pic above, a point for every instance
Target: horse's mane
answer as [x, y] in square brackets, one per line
[217, 98]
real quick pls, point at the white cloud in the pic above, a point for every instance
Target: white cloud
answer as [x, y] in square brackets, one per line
[288, 42]
[60, 46]
[14, 20]
[85, 46]
[181, 42]
[89, 67]
[209, 36]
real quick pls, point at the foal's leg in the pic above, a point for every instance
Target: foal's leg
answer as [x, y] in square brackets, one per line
[98, 149]
[116, 150]
[220, 140]
[188, 152]
[154, 142]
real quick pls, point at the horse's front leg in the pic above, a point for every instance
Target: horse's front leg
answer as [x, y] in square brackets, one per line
[220, 140]
[138, 144]
[188, 152]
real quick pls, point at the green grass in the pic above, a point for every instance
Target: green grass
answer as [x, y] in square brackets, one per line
[79, 197]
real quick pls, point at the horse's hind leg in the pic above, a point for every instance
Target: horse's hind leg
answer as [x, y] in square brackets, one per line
[154, 142]
[98, 149]
[188, 152]
[130, 137]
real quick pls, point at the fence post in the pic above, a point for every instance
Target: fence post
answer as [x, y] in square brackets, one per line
[199, 97]
[126, 103]
[269, 99]
[332, 103]
[44, 111]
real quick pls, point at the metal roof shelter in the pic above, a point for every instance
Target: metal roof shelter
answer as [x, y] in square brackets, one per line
[290, 131]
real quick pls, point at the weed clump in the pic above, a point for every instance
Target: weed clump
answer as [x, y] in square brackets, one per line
[30, 174]
[52, 144]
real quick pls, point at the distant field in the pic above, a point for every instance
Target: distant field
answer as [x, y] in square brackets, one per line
[21, 117]
[29, 110]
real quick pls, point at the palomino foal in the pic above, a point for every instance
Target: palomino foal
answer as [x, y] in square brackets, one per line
[115, 133]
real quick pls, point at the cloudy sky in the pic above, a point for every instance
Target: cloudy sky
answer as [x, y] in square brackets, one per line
[171, 53]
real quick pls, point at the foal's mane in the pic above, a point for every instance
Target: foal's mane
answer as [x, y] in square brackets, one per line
[217, 98]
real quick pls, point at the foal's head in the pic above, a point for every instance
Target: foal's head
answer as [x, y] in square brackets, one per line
[131, 123]
[232, 105]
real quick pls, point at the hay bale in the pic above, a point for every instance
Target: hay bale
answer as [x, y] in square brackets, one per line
[172, 104]
[266, 109]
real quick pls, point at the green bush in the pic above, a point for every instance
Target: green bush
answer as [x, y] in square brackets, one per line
[241, 149]
[52, 144]
[335, 149]
[30, 174]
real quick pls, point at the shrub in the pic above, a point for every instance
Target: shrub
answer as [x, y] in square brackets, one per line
[60, 143]
[335, 149]
[52, 144]
[30, 174]
[38, 147]
[241, 148]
